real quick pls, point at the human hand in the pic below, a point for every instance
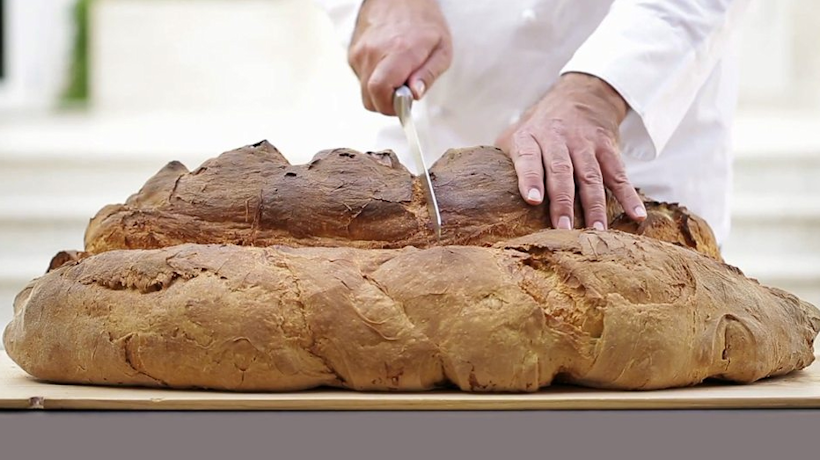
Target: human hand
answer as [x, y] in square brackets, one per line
[572, 134]
[397, 42]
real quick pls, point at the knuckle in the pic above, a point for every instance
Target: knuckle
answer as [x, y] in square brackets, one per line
[591, 177]
[355, 54]
[562, 199]
[607, 149]
[527, 155]
[375, 85]
[619, 179]
[560, 167]
[603, 134]
[530, 175]
[523, 135]
[556, 126]
[427, 76]
[596, 208]
[607, 154]
[356, 65]
[400, 43]
[524, 145]
[610, 162]
[361, 50]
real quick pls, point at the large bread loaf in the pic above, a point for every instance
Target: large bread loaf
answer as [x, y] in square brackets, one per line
[601, 309]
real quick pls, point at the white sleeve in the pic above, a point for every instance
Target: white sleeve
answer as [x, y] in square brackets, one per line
[657, 54]
[343, 14]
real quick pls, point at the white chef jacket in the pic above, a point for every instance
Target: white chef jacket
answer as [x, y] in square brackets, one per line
[673, 61]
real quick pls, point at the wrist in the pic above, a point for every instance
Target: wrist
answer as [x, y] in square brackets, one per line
[388, 6]
[593, 88]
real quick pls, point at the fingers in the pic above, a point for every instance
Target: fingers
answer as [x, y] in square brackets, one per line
[381, 71]
[549, 159]
[560, 183]
[423, 77]
[362, 61]
[614, 176]
[397, 69]
[526, 155]
[366, 100]
[390, 73]
[590, 185]
[385, 60]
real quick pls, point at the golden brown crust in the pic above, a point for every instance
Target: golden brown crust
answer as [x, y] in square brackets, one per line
[674, 224]
[600, 309]
[66, 257]
[531, 307]
[252, 196]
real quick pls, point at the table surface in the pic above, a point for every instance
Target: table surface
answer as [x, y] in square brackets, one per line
[797, 390]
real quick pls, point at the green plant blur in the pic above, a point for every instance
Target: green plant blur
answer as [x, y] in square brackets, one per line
[77, 88]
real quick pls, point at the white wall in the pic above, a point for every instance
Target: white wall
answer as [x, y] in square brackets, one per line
[780, 62]
[268, 68]
[39, 42]
[207, 54]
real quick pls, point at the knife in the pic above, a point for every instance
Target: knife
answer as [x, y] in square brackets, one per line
[402, 104]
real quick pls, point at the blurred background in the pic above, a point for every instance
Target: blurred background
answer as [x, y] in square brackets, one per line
[97, 95]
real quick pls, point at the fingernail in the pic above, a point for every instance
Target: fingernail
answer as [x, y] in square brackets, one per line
[564, 223]
[598, 226]
[640, 211]
[534, 195]
[419, 87]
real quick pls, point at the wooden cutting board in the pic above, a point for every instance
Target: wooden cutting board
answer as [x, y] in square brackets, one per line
[797, 390]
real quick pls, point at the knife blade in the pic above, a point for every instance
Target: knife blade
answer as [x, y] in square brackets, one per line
[402, 104]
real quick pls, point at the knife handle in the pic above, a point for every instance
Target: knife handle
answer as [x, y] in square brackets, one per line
[402, 101]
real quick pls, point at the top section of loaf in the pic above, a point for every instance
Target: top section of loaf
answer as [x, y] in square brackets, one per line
[254, 196]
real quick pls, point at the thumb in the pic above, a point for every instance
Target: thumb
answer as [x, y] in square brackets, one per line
[435, 65]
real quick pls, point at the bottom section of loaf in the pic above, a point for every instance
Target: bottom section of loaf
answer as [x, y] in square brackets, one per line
[598, 309]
